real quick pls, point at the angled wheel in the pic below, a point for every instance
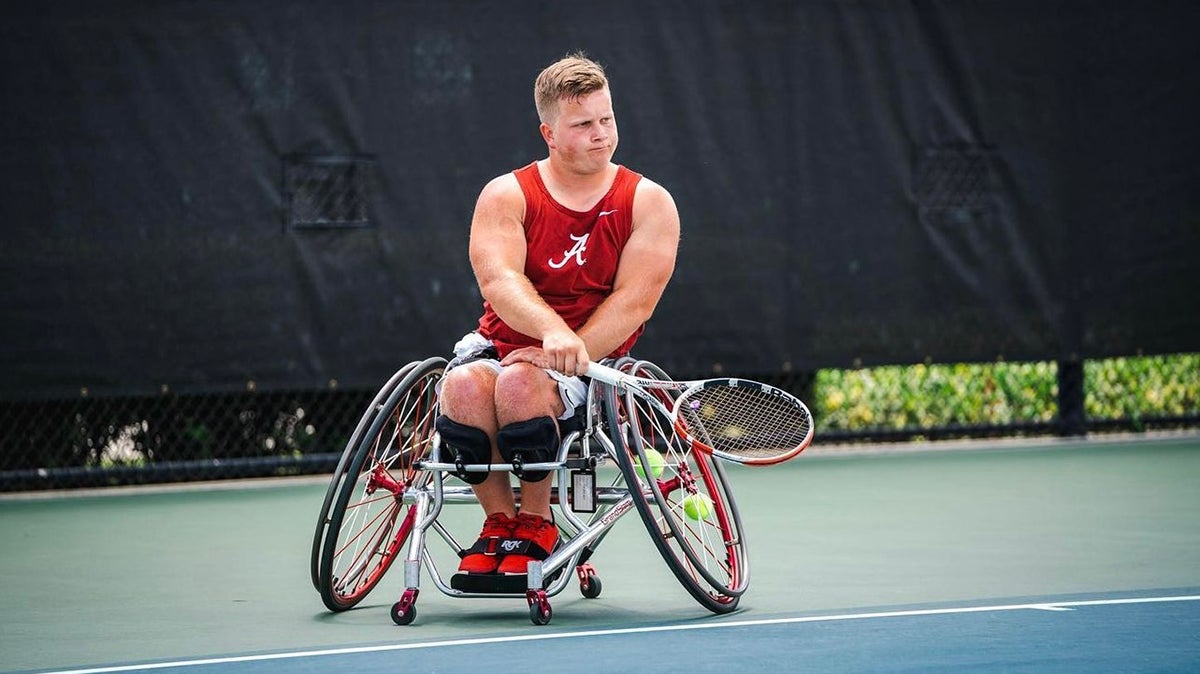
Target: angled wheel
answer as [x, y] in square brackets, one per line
[339, 473]
[684, 499]
[369, 520]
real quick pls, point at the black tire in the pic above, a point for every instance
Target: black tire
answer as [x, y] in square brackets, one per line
[368, 523]
[708, 555]
[339, 473]
[540, 614]
[591, 587]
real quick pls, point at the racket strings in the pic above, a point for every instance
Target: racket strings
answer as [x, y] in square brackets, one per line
[749, 421]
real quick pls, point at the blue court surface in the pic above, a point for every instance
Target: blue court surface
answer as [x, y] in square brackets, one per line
[1128, 634]
[993, 557]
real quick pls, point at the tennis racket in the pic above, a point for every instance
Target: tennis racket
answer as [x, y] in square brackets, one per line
[734, 419]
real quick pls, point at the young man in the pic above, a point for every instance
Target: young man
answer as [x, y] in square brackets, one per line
[572, 254]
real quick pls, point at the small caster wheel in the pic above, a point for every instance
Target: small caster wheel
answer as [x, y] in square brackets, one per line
[402, 615]
[405, 610]
[540, 613]
[590, 587]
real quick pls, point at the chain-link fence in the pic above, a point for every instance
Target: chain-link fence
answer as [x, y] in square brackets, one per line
[89, 442]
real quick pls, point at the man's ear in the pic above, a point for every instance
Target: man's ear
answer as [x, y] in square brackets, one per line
[547, 135]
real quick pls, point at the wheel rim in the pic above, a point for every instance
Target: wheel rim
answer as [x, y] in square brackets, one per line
[707, 554]
[339, 473]
[373, 520]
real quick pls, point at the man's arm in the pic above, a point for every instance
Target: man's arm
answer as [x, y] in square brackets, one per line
[498, 250]
[646, 265]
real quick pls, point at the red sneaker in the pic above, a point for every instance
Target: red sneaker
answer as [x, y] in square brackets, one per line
[484, 556]
[541, 536]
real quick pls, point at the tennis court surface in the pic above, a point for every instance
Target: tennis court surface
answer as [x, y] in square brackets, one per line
[1040, 556]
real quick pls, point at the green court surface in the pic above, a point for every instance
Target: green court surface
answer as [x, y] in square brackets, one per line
[171, 574]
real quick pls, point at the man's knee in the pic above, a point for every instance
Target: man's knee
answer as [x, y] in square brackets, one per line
[466, 389]
[523, 378]
[532, 441]
[466, 445]
[525, 391]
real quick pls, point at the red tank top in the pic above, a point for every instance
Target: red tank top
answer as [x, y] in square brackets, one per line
[571, 256]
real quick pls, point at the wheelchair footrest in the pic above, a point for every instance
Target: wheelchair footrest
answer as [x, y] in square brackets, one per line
[496, 583]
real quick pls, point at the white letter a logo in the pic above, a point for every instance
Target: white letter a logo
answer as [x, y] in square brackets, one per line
[576, 252]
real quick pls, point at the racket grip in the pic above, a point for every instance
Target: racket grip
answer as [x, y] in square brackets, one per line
[606, 374]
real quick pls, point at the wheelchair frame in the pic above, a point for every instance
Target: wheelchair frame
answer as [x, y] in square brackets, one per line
[392, 482]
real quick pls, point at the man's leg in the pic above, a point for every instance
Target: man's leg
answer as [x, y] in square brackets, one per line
[527, 403]
[468, 398]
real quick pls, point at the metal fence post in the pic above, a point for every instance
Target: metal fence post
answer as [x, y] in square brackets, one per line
[1072, 418]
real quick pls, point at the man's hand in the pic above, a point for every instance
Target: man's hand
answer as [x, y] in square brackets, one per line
[563, 351]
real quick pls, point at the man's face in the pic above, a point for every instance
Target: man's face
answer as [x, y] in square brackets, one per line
[584, 134]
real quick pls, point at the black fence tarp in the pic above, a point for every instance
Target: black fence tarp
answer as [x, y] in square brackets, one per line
[197, 196]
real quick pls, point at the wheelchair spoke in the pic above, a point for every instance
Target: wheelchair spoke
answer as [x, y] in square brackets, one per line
[704, 549]
[369, 520]
[363, 554]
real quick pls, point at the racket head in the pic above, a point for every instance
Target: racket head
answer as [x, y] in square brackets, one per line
[743, 421]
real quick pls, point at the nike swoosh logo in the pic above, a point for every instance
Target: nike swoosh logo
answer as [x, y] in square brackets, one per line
[604, 213]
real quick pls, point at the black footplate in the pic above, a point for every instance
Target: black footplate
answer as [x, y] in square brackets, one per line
[495, 583]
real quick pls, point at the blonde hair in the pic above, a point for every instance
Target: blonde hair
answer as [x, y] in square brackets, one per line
[571, 77]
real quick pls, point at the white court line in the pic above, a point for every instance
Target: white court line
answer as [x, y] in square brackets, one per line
[1040, 606]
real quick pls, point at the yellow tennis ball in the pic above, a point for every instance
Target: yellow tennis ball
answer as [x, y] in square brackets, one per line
[655, 461]
[697, 506]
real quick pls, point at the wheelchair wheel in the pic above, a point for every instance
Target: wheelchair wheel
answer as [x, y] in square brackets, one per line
[369, 521]
[339, 473]
[705, 550]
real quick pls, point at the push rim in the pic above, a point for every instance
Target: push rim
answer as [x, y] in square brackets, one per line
[340, 472]
[707, 555]
[369, 515]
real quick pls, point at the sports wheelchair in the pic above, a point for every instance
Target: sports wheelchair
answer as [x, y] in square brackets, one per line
[395, 477]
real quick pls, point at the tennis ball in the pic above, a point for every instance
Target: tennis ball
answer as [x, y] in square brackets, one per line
[655, 460]
[697, 506]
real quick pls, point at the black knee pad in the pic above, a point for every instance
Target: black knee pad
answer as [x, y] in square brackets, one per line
[466, 444]
[532, 441]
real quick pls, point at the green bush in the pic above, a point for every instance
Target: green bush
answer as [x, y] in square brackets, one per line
[1133, 388]
[978, 394]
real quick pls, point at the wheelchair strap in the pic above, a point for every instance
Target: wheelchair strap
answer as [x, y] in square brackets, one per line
[506, 546]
